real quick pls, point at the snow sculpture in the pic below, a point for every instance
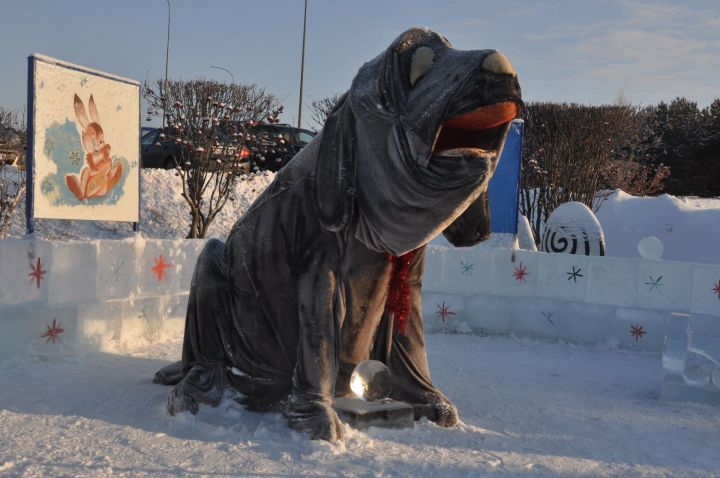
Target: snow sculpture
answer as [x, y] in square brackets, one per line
[573, 228]
[650, 248]
[323, 271]
[691, 359]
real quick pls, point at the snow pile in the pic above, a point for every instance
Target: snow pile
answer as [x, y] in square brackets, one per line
[688, 227]
[163, 211]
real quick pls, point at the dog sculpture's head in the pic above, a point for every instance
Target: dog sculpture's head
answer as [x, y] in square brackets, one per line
[409, 150]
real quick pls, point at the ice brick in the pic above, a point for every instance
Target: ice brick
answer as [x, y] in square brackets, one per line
[640, 329]
[99, 322]
[72, 277]
[612, 281]
[185, 255]
[518, 278]
[490, 314]
[39, 330]
[584, 323]
[142, 319]
[443, 312]
[433, 279]
[536, 317]
[664, 285]
[362, 414]
[675, 348]
[706, 290]
[563, 276]
[18, 261]
[469, 270]
[158, 272]
[118, 269]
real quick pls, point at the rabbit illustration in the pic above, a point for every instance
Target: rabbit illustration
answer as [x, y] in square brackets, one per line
[101, 173]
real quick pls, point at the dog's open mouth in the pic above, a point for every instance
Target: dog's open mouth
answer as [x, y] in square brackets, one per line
[476, 134]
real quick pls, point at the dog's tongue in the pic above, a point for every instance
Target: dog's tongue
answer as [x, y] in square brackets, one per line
[484, 117]
[468, 153]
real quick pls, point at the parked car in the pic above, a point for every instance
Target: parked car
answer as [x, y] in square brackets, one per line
[12, 149]
[160, 150]
[277, 144]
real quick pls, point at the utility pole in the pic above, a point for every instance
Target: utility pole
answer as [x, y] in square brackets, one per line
[302, 68]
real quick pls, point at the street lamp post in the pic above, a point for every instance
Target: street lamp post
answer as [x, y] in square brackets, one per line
[167, 56]
[302, 68]
[225, 70]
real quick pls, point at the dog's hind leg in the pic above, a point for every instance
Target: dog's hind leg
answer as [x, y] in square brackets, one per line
[201, 376]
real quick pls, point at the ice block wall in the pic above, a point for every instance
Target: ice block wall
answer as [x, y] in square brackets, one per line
[68, 296]
[77, 296]
[576, 298]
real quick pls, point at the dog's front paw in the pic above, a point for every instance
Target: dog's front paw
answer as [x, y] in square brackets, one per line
[315, 418]
[437, 409]
[179, 402]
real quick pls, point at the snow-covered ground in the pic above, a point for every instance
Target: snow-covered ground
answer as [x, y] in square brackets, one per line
[528, 408]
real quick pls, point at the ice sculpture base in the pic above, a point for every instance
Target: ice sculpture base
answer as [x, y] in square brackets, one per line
[362, 414]
[674, 388]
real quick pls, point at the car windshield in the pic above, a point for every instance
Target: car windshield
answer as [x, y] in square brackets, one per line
[149, 139]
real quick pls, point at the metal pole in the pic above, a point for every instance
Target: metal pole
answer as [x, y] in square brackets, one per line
[30, 149]
[167, 56]
[225, 69]
[302, 68]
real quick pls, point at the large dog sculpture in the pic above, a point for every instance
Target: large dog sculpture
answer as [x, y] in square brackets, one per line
[324, 270]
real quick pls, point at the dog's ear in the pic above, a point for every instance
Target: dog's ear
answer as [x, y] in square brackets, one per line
[473, 225]
[335, 168]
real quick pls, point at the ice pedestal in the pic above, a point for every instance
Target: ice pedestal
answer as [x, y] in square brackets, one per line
[362, 414]
[691, 359]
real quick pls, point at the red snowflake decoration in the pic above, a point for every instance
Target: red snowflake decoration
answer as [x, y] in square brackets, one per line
[716, 289]
[159, 268]
[444, 311]
[637, 331]
[37, 273]
[53, 332]
[520, 273]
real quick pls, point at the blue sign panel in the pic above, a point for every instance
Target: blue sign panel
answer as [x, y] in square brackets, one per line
[504, 187]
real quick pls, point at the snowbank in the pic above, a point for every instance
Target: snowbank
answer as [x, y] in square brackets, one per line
[164, 213]
[687, 227]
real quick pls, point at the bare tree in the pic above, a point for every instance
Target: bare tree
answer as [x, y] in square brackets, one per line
[321, 109]
[581, 153]
[12, 173]
[211, 123]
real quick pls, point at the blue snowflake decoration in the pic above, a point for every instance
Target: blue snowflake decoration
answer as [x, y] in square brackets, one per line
[466, 267]
[655, 283]
[574, 274]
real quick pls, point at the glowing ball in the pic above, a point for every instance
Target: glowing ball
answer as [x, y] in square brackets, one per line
[371, 380]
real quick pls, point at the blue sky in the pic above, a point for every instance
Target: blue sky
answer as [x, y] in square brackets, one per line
[590, 52]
